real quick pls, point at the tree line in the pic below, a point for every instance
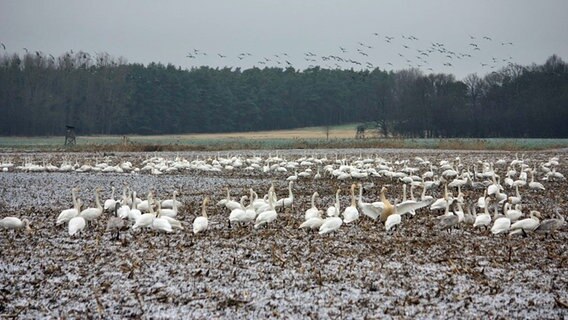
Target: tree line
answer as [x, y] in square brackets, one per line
[101, 94]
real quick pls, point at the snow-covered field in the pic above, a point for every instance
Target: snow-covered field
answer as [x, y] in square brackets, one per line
[280, 271]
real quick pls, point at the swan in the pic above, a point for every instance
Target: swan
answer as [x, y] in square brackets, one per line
[367, 208]
[144, 220]
[200, 224]
[239, 213]
[549, 226]
[330, 224]
[115, 223]
[267, 216]
[229, 203]
[469, 217]
[286, 202]
[441, 202]
[91, 214]
[501, 223]
[526, 225]
[68, 214]
[333, 211]
[513, 214]
[517, 198]
[143, 206]
[133, 213]
[171, 203]
[483, 219]
[174, 223]
[393, 220]
[13, 223]
[449, 220]
[351, 213]
[160, 224]
[76, 225]
[313, 211]
[109, 203]
[535, 185]
[167, 212]
[481, 200]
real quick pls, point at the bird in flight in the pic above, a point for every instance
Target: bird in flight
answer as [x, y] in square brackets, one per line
[3, 46]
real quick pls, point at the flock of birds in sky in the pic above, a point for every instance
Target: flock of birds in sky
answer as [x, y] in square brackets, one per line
[385, 52]
[381, 51]
[497, 184]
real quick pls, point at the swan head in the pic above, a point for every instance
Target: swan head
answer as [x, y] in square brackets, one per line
[536, 214]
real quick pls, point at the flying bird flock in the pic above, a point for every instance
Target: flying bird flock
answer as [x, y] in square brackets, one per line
[381, 51]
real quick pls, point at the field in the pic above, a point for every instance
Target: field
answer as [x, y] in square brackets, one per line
[341, 136]
[278, 271]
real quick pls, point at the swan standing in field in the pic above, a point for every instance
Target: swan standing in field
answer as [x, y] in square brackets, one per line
[393, 220]
[76, 225]
[200, 224]
[549, 226]
[483, 219]
[241, 214]
[313, 211]
[289, 201]
[167, 212]
[332, 222]
[526, 225]
[449, 220]
[14, 223]
[115, 223]
[267, 216]
[501, 224]
[91, 214]
[144, 220]
[160, 224]
[172, 203]
[68, 214]
[533, 185]
[351, 213]
[109, 203]
[174, 223]
[333, 211]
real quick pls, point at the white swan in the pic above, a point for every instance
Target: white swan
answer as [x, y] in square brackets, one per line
[200, 224]
[330, 224]
[266, 216]
[333, 211]
[483, 219]
[501, 223]
[76, 225]
[174, 223]
[535, 185]
[239, 214]
[351, 213]
[69, 214]
[393, 219]
[109, 203]
[91, 214]
[526, 225]
[14, 223]
[167, 212]
[160, 224]
[289, 201]
[171, 203]
[313, 211]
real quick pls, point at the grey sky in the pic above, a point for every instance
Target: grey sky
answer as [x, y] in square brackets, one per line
[166, 31]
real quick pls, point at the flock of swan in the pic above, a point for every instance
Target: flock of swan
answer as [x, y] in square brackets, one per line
[491, 179]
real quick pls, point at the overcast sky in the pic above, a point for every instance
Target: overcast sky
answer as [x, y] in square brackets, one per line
[447, 32]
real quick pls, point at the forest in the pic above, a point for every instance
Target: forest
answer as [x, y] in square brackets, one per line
[103, 95]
